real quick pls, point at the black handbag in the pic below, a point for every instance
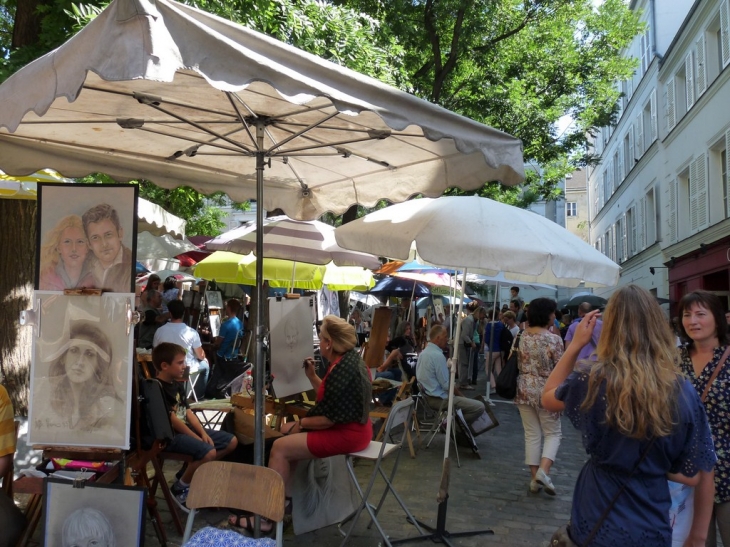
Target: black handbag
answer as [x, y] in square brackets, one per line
[506, 382]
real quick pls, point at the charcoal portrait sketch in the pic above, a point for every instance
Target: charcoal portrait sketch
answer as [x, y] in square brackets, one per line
[98, 515]
[81, 372]
[291, 342]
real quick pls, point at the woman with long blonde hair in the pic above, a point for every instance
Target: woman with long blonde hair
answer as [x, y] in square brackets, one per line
[63, 263]
[641, 422]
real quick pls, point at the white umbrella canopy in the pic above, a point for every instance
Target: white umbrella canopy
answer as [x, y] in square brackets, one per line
[484, 236]
[161, 247]
[158, 90]
[309, 241]
[475, 233]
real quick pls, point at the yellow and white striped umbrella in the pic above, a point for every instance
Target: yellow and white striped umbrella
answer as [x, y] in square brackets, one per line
[12, 187]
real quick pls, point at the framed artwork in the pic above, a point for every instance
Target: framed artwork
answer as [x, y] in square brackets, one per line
[215, 324]
[86, 513]
[214, 299]
[291, 338]
[86, 237]
[81, 373]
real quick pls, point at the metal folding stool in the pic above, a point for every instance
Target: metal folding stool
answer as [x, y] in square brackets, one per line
[400, 414]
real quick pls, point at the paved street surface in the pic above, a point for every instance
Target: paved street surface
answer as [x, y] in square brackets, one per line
[491, 492]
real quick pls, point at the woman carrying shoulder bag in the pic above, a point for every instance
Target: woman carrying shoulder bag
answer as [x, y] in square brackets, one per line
[641, 423]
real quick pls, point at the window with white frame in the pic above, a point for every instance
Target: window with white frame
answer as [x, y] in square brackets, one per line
[673, 211]
[698, 194]
[689, 80]
[571, 209]
[650, 218]
[649, 121]
[724, 36]
[639, 135]
[645, 44]
[682, 185]
[631, 228]
[629, 155]
[724, 179]
[618, 170]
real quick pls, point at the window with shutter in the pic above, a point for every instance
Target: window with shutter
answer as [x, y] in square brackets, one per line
[725, 170]
[631, 157]
[632, 230]
[689, 80]
[617, 171]
[641, 231]
[621, 169]
[644, 39]
[701, 66]
[624, 240]
[639, 135]
[652, 109]
[671, 106]
[614, 249]
[672, 213]
[725, 32]
[703, 207]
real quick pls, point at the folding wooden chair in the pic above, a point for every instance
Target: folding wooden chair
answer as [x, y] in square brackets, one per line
[400, 414]
[259, 490]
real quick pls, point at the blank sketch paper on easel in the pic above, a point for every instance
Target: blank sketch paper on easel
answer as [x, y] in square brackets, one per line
[291, 342]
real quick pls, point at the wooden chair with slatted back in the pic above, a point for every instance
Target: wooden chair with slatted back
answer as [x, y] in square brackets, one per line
[256, 489]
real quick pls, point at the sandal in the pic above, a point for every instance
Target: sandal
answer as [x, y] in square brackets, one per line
[245, 521]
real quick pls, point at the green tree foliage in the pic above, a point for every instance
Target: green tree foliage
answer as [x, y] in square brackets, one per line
[519, 66]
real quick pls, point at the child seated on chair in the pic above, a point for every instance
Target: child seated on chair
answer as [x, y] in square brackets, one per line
[191, 438]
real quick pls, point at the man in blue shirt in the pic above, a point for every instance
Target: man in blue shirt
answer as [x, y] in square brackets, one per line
[231, 331]
[433, 375]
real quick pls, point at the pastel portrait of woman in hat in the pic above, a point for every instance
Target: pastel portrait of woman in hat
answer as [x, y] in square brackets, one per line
[79, 392]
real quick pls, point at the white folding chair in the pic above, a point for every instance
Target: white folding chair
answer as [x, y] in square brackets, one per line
[257, 489]
[400, 414]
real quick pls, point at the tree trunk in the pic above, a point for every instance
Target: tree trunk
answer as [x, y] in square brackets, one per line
[27, 26]
[17, 274]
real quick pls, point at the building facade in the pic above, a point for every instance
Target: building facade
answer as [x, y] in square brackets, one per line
[659, 198]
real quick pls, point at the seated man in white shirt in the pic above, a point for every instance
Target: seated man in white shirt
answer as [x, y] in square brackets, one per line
[177, 332]
[433, 375]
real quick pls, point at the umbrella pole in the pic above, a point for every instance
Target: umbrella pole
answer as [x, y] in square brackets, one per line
[258, 454]
[440, 534]
[488, 368]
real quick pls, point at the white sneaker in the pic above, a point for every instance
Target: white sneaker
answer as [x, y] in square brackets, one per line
[535, 486]
[542, 478]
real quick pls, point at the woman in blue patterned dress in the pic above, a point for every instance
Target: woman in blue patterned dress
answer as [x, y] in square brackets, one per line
[632, 401]
[703, 324]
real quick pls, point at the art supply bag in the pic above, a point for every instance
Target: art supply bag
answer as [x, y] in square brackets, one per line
[506, 382]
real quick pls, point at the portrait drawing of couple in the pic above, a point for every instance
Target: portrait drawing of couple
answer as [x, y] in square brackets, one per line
[85, 247]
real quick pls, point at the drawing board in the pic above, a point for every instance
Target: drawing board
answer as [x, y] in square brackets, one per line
[291, 342]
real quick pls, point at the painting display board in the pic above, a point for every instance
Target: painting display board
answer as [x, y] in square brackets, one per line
[81, 372]
[86, 237]
[292, 341]
[378, 337]
[105, 513]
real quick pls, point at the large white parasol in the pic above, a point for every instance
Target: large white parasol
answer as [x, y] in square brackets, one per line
[480, 234]
[157, 90]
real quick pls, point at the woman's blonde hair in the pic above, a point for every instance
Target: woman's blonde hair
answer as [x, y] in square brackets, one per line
[637, 358]
[50, 256]
[340, 332]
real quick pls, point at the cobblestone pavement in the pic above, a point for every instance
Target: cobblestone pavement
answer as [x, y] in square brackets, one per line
[491, 492]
